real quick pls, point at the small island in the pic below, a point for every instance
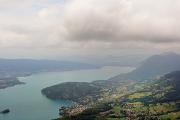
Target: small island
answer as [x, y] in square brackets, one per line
[5, 111]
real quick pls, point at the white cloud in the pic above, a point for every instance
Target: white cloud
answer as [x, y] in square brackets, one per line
[122, 20]
[90, 26]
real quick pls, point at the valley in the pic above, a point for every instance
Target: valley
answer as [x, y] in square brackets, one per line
[124, 96]
[27, 103]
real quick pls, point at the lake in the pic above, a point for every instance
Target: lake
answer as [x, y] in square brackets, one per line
[27, 103]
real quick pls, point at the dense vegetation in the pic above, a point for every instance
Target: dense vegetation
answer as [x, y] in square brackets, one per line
[71, 90]
[141, 94]
[153, 100]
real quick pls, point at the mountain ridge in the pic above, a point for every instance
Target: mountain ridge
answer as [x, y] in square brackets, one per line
[10, 69]
[153, 67]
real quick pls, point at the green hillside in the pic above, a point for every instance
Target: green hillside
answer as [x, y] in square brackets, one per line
[152, 100]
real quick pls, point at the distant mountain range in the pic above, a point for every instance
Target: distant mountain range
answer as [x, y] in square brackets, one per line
[152, 67]
[29, 65]
[10, 69]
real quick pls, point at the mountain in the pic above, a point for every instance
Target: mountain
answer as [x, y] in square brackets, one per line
[152, 100]
[173, 80]
[152, 67]
[10, 69]
[29, 65]
[150, 92]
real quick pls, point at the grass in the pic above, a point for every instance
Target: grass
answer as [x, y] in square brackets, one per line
[139, 95]
[116, 109]
[171, 116]
[162, 108]
[115, 119]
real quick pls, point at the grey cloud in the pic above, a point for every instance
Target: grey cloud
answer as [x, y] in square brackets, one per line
[126, 20]
[90, 26]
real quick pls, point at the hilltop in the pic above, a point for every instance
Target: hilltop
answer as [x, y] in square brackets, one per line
[71, 91]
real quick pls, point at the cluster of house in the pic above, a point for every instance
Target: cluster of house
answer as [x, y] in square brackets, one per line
[71, 111]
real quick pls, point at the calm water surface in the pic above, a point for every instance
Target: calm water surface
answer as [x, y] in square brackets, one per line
[27, 103]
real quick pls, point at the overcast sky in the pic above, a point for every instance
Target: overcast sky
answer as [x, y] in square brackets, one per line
[63, 28]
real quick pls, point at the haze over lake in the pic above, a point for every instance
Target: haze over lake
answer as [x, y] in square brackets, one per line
[27, 103]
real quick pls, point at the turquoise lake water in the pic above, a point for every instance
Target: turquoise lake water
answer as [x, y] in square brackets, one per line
[27, 103]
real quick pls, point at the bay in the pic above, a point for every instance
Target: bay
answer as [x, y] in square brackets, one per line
[27, 103]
